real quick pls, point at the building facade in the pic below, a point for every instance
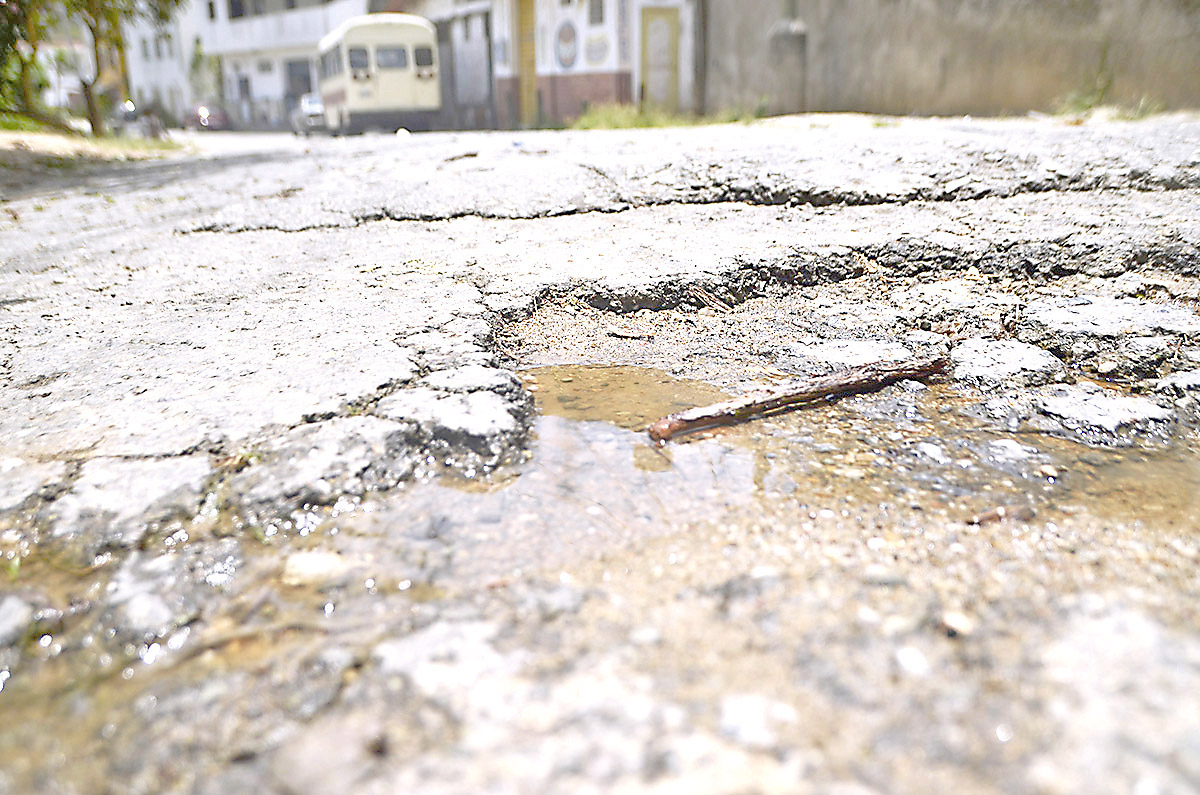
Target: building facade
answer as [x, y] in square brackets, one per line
[256, 57]
[509, 63]
[159, 62]
[554, 58]
[505, 63]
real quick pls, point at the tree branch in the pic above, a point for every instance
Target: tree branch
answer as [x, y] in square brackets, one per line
[793, 394]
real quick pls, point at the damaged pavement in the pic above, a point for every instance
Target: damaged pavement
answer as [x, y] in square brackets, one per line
[327, 470]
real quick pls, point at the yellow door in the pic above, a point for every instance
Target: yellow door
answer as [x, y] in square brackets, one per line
[526, 63]
[660, 58]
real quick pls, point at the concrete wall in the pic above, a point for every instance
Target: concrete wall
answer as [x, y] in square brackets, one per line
[947, 56]
[578, 61]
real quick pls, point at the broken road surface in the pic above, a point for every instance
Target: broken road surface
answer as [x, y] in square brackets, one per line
[326, 469]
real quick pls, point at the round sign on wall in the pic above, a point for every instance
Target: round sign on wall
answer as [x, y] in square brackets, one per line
[596, 49]
[566, 46]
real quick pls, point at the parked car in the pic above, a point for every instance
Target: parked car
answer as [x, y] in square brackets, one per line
[309, 115]
[209, 116]
[140, 122]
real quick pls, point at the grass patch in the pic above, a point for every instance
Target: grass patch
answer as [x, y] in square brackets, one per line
[1145, 107]
[15, 123]
[127, 147]
[1092, 99]
[1085, 105]
[616, 117]
[42, 150]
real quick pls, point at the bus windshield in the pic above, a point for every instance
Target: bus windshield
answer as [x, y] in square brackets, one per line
[391, 57]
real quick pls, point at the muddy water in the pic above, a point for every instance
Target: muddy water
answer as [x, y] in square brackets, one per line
[879, 486]
[907, 456]
[870, 448]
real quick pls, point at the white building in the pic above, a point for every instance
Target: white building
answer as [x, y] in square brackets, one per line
[159, 64]
[255, 56]
[553, 58]
[504, 62]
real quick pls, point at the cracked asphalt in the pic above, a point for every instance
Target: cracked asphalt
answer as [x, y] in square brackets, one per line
[323, 464]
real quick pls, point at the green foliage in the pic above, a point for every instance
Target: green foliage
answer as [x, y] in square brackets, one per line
[1079, 102]
[609, 117]
[13, 30]
[1146, 107]
[18, 123]
[1094, 95]
[1088, 103]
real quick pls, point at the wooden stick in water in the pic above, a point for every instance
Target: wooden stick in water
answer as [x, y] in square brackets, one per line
[804, 390]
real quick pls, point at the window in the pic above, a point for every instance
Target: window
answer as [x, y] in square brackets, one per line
[423, 56]
[158, 48]
[391, 57]
[212, 9]
[331, 62]
[145, 50]
[327, 64]
[265, 66]
[258, 8]
[595, 12]
[236, 9]
[289, 3]
[170, 45]
[358, 58]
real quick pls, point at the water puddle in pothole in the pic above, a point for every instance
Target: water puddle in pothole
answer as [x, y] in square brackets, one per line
[874, 469]
[905, 455]
[908, 442]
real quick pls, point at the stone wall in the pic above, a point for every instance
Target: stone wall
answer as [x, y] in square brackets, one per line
[947, 56]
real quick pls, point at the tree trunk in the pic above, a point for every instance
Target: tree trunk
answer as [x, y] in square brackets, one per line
[123, 62]
[27, 100]
[95, 115]
[93, 109]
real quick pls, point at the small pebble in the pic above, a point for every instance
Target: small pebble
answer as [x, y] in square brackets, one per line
[313, 568]
[957, 624]
[881, 575]
[912, 661]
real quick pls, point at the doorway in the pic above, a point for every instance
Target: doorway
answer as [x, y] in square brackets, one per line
[660, 58]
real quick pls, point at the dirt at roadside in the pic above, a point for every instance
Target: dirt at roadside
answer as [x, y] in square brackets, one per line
[30, 158]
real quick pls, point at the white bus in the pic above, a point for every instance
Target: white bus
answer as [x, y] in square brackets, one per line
[379, 71]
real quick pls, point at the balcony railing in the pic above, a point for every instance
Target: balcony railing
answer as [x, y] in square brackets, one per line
[294, 28]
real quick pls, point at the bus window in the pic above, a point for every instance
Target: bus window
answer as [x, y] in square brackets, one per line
[331, 62]
[391, 57]
[423, 56]
[358, 58]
